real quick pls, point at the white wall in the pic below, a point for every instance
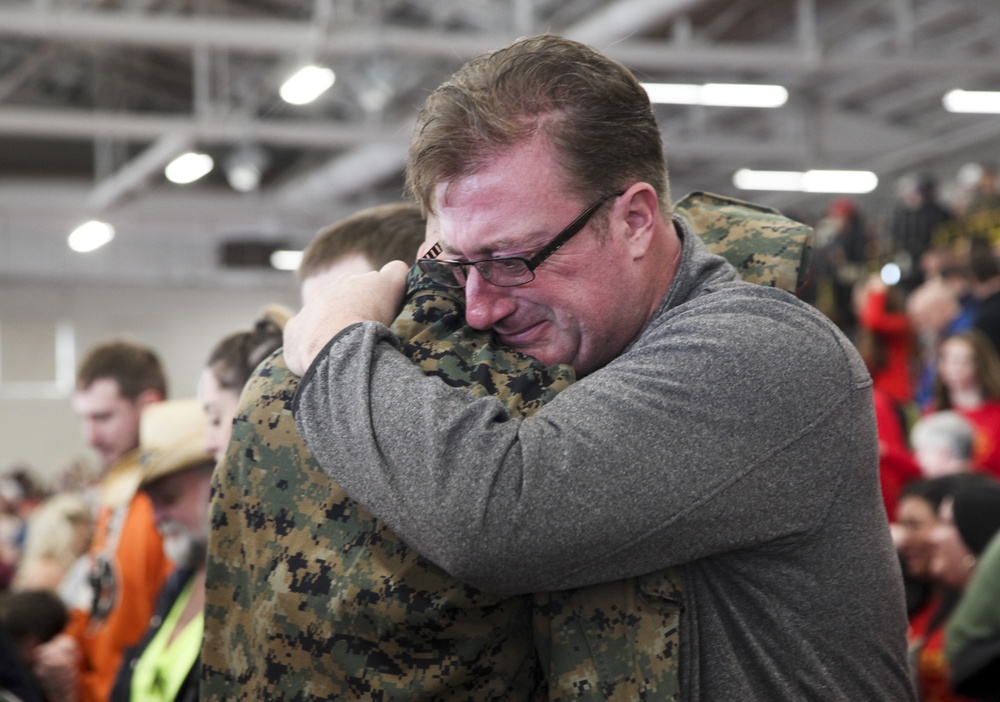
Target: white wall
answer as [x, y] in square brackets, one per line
[182, 322]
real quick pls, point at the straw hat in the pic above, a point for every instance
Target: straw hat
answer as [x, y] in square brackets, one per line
[171, 438]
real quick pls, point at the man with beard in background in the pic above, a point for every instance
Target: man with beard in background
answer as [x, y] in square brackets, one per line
[177, 478]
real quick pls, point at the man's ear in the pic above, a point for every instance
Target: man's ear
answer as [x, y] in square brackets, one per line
[148, 397]
[641, 216]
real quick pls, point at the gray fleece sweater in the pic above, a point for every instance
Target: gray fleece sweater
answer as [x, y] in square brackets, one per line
[734, 437]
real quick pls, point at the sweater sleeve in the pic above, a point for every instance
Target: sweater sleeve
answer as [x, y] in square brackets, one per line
[715, 431]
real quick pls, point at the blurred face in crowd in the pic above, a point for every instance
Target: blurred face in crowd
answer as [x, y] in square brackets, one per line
[936, 460]
[917, 518]
[957, 365]
[220, 407]
[951, 562]
[109, 421]
[180, 508]
[931, 307]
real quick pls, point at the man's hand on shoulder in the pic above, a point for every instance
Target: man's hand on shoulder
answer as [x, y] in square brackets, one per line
[375, 296]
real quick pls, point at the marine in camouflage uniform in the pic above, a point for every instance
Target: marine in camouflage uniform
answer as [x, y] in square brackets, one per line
[309, 596]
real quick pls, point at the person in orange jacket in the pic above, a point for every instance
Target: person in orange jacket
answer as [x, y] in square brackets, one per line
[116, 380]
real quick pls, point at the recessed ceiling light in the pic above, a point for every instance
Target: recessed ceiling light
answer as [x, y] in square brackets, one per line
[286, 260]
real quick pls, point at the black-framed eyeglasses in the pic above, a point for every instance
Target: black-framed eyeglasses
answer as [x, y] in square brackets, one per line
[505, 272]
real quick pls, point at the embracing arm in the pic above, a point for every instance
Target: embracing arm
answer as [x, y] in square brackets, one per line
[678, 450]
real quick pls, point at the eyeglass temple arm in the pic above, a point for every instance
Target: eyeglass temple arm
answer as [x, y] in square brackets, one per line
[433, 251]
[569, 232]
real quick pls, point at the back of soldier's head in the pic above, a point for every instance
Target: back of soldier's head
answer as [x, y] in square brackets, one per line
[379, 234]
[135, 368]
[236, 355]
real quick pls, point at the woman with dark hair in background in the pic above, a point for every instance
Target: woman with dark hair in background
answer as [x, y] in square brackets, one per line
[933, 581]
[972, 638]
[968, 520]
[229, 366]
[181, 449]
[968, 381]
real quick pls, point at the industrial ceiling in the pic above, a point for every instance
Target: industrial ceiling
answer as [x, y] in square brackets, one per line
[96, 96]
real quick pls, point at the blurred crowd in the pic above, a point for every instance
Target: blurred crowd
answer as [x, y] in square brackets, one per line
[102, 574]
[918, 291]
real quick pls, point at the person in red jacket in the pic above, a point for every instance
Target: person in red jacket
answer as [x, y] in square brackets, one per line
[892, 354]
[886, 343]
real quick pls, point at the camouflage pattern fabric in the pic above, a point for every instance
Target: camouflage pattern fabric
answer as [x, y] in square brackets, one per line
[763, 245]
[615, 641]
[309, 597]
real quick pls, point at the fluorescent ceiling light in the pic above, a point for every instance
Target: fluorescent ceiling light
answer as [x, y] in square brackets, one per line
[972, 101]
[717, 94]
[188, 168]
[306, 85]
[285, 260]
[745, 179]
[840, 181]
[806, 181]
[91, 235]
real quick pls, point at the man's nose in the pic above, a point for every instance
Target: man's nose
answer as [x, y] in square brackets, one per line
[89, 431]
[211, 444]
[485, 304]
